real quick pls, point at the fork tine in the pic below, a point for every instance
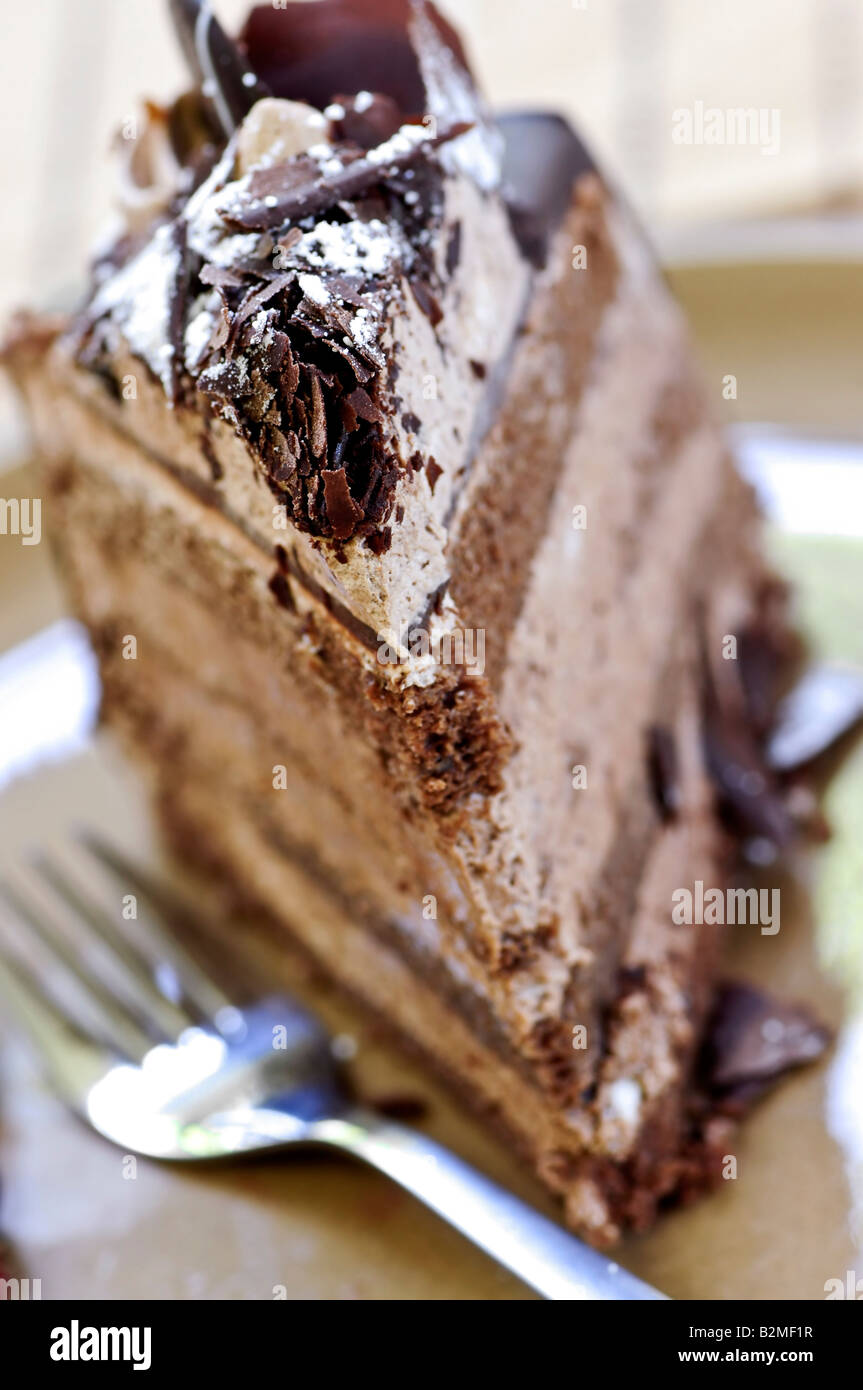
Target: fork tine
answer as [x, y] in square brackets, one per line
[167, 1014]
[197, 986]
[50, 1029]
[113, 1023]
[26, 997]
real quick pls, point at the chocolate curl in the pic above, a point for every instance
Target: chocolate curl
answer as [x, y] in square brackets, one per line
[216, 63]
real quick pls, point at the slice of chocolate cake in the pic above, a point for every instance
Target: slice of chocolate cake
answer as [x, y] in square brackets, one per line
[379, 434]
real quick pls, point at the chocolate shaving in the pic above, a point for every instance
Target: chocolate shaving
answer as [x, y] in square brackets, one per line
[343, 290]
[361, 402]
[293, 191]
[427, 300]
[255, 300]
[380, 541]
[226, 380]
[290, 375]
[318, 431]
[342, 511]
[433, 472]
[224, 277]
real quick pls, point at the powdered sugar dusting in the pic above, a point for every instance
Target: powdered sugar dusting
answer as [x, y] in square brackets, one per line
[360, 248]
[365, 329]
[210, 237]
[314, 289]
[406, 138]
[139, 298]
[203, 318]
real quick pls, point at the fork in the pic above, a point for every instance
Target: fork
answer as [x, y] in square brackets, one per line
[149, 1050]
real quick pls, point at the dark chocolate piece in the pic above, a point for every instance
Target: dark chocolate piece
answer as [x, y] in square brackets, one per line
[750, 797]
[313, 52]
[753, 1039]
[543, 157]
[216, 63]
[369, 122]
[762, 665]
[289, 192]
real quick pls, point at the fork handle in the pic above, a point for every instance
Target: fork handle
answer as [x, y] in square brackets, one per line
[538, 1251]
